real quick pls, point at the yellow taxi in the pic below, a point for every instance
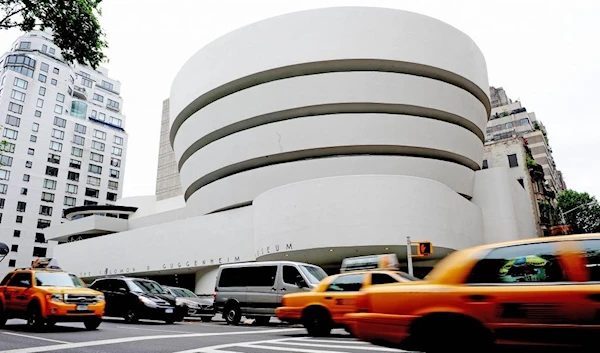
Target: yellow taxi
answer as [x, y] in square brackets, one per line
[44, 295]
[324, 307]
[542, 291]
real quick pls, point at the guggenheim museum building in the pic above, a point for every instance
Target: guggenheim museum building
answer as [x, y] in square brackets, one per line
[312, 136]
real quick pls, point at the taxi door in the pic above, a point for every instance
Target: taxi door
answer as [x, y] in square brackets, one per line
[16, 291]
[526, 293]
[341, 293]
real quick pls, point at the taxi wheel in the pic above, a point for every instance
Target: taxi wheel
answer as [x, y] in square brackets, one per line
[35, 321]
[317, 322]
[453, 333]
[92, 324]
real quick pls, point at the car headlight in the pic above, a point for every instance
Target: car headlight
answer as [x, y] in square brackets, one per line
[55, 297]
[148, 302]
[99, 298]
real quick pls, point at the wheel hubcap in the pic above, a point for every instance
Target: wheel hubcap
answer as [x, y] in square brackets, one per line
[231, 315]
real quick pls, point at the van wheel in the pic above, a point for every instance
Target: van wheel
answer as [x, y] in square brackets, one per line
[317, 321]
[35, 321]
[232, 314]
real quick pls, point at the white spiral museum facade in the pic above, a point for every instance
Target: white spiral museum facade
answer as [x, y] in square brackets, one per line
[323, 134]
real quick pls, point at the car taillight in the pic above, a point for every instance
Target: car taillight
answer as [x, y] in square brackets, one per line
[215, 295]
[362, 304]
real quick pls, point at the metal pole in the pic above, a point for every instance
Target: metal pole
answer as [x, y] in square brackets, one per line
[409, 256]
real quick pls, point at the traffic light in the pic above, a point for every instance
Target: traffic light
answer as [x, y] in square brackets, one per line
[424, 248]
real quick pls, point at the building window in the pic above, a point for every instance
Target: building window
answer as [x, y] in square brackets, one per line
[38, 113]
[92, 192]
[48, 197]
[19, 219]
[26, 177]
[115, 121]
[55, 70]
[78, 140]
[51, 171]
[13, 120]
[20, 83]
[44, 48]
[4, 174]
[520, 180]
[44, 67]
[73, 176]
[75, 164]
[70, 201]
[45, 210]
[86, 82]
[35, 127]
[6, 161]
[10, 133]
[8, 147]
[117, 151]
[42, 91]
[23, 191]
[90, 203]
[3, 190]
[25, 46]
[12, 263]
[53, 158]
[71, 189]
[110, 196]
[80, 128]
[115, 162]
[93, 181]
[42, 78]
[40, 238]
[40, 103]
[2, 201]
[53, 82]
[97, 145]
[16, 233]
[92, 168]
[33, 138]
[14, 248]
[15, 108]
[60, 122]
[21, 206]
[60, 97]
[58, 109]
[59, 134]
[101, 116]
[96, 157]
[77, 152]
[485, 164]
[107, 85]
[118, 140]
[114, 173]
[50, 184]
[112, 104]
[39, 252]
[100, 134]
[28, 164]
[55, 146]
[52, 51]
[113, 185]
[17, 95]
[98, 97]
[512, 160]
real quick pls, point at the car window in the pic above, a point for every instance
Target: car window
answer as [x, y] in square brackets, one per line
[251, 276]
[382, 278]
[6, 278]
[313, 273]
[21, 279]
[100, 285]
[592, 255]
[145, 286]
[347, 283]
[290, 274]
[519, 263]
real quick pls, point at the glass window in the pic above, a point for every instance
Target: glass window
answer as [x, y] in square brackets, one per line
[50, 184]
[512, 160]
[48, 197]
[33, 138]
[15, 108]
[96, 157]
[40, 252]
[100, 134]
[26, 177]
[42, 91]
[6, 161]
[591, 254]
[113, 185]
[52, 51]
[80, 128]
[17, 233]
[42, 78]
[60, 122]
[44, 48]
[35, 127]
[114, 173]
[40, 238]
[70, 201]
[346, 283]
[97, 145]
[92, 168]
[21, 206]
[382, 278]
[53, 82]
[40, 103]
[72, 188]
[13, 120]
[44, 67]
[110, 196]
[78, 140]
[10, 134]
[55, 146]
[59, 134]
[8, 147]
[79, 109]
[519, 263]
[98, 97]
[20, 279]
[55, 70]
[28, 164]
[73, 163]
[107, 85]
[73, 176]
[117, 151]
[18, 95]
[20, 83]
[60, 97]
[51, 171]
[112, 104]
[45, 210]
[118, 140]
[115, 162]
[116, 121]
[3, 188]
[93, 181]
[77, 152]
[4, 174]
[291, 275]
[30, 151]
[38, 113]
[92, 192]
[101, 116]
[58, 109]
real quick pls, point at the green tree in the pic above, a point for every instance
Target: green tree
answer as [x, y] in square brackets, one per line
[74, 24]
[586, 218]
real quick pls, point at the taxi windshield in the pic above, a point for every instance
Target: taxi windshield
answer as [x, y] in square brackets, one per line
[146, 287]
[407, 276]
[313, 273]
[181, 292]
[47, 279]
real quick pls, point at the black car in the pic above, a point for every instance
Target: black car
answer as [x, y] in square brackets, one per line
[137, 298]
[194, 305]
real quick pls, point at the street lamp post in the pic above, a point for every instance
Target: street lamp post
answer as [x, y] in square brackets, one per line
[562, 214]
[3, 251]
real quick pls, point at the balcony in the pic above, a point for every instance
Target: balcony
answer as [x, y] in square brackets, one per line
[80, 92]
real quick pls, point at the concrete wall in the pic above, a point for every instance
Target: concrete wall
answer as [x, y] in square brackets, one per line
[167, 176]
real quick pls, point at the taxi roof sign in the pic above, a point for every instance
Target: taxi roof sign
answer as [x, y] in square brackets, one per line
[371, 262]
[45, 262]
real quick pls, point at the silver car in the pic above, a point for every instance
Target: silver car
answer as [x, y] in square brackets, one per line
[193, 305]
[255, 289]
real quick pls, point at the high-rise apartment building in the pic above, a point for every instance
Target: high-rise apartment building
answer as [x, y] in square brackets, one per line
[510, 119]
[168, 183]
[64, 146]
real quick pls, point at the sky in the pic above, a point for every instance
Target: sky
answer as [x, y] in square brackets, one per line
[543, 53]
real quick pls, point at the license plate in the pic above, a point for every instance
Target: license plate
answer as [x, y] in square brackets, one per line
[82, 307]
[169, 310]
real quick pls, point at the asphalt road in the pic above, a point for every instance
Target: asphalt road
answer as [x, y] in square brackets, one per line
[114, 336]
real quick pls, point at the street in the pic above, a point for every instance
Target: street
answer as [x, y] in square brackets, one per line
[114, 336]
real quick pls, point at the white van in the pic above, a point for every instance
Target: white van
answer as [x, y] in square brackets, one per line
[254, 289]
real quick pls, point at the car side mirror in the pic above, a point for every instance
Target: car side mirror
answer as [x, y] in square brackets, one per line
[300, 282]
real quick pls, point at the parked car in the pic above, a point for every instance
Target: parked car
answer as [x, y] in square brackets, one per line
[44, 295]
[194, 306]
[255, 289]
[137, 298]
